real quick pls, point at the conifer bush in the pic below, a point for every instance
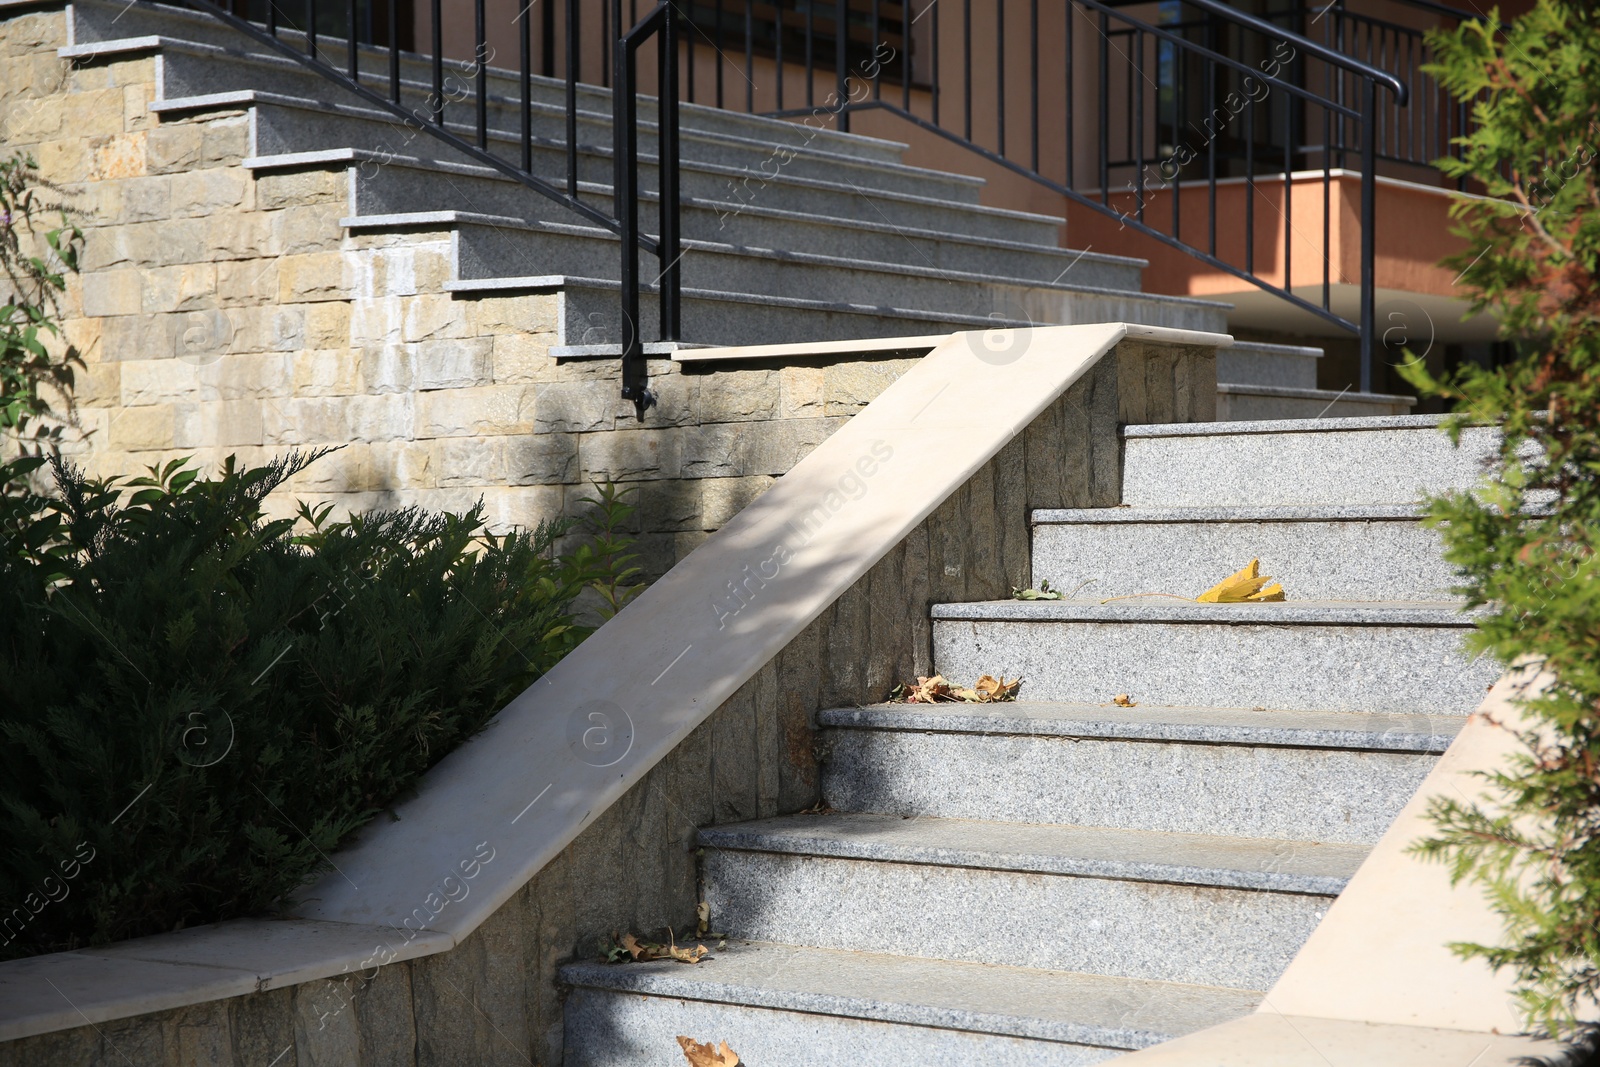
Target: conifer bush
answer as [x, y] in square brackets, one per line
[198, 702]
[1525, 543]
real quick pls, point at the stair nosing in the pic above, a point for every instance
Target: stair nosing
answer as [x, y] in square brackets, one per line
[1420, 614]
[1158, 725]
[1260, 513]
[1071, 857]
[702, 983]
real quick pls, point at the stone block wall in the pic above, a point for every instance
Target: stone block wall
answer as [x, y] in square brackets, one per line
[495, 999]
[222, 312]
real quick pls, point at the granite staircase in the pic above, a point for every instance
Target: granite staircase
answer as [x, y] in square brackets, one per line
[1061, 880]
[791, 231]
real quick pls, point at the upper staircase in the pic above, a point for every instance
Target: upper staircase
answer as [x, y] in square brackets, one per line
[791, 232]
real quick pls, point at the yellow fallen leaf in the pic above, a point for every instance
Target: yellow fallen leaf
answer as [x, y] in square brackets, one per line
[702, 914]
[705, 1056]
[1123, 700]
[635, 949]
[1245, 585]
[990, 688]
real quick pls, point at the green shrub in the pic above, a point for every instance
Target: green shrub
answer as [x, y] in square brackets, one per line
[1525, 544]
[197, 705]
[35, 262]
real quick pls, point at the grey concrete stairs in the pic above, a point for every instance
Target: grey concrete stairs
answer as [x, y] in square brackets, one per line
[1258, 381]
[834, 238]
[1060, 880]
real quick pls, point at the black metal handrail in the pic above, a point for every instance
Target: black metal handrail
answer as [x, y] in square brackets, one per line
[435, 115]
[1129, 123]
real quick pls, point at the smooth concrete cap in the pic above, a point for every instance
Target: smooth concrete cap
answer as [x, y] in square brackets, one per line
[62, 990]
[1087, 1009]
[1179, 610]
[575, 741]
[1073, 851]
[1382, 954]
[1272, 1040]
[1358, 730]
[1330, 395]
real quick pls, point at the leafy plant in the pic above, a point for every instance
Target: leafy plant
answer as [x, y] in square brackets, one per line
[35, 279]
[1525, 543]
[197, 704]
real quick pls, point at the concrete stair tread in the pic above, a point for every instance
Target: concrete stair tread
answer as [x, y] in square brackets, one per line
[1365, 731]
[1329, 395]
[1023, 1002]
[1242, 513]
[1230, 429]
[1178, 610]
[1075, 851]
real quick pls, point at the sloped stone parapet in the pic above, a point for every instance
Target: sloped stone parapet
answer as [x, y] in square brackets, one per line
[576, 810]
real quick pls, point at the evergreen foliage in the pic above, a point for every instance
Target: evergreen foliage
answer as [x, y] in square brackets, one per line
[1525, 543]
[197, 703]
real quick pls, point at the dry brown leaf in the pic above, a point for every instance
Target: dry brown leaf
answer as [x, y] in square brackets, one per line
[937, 690]
[1243, 586]
[644, 951]
[1123, 700]
[990, 689]
[705, 1056]
[635, 949]
[702, 916]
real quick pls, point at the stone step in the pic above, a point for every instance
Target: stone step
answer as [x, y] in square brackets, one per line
[508, 248]
[1128, 903]
[807, 211]
[792, 1005]
[1305, 655]
[1248, 402]
[1286, 775]
[1364, 462]
[932, 234]
[1257, 363]
[192, 76]
[1316, 553]
[102, 24]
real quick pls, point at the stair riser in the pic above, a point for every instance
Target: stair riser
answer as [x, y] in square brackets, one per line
[1242, 363]
[489, 252]
[110, 22]
[1234, 790]
[1331, 467]
[606, 1029]
[1358, 560]
[282, 129]
[397, 189]
[1225, 937]
[1246, 407]
[593, 313]
[1408, 669]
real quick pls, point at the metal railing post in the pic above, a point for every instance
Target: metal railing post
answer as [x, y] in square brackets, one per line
[1369, 210]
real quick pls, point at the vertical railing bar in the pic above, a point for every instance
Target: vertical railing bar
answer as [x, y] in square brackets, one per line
[525, 40]
[1105, 94]
[877, 76]
[716, 40]
[1178, 58]
[311, 28]
[935, 88]
[272, 17]
[667, 165]
[574, 27]
[1211, 156]
[1071, 96]
[811, 59]
[480, 61]
[1369, 207]
[394, 51]
[749, 59]
[841, 62]
[777, 36]
[1250, 188]
[438, 65]
[1033, 82]
[625, 144]
[1327, 213]
[905, 55]
[547, 39]
[966, 63]
[1288, 193]
[352, 57]
[607, 54]
[692, 43]
[1138, 122]
[1000, 73]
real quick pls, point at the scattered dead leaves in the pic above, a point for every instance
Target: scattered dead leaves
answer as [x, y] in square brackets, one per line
[1123, 700]
[936, 690]
[1243, 586]
[629, 947]
[705, 1056]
